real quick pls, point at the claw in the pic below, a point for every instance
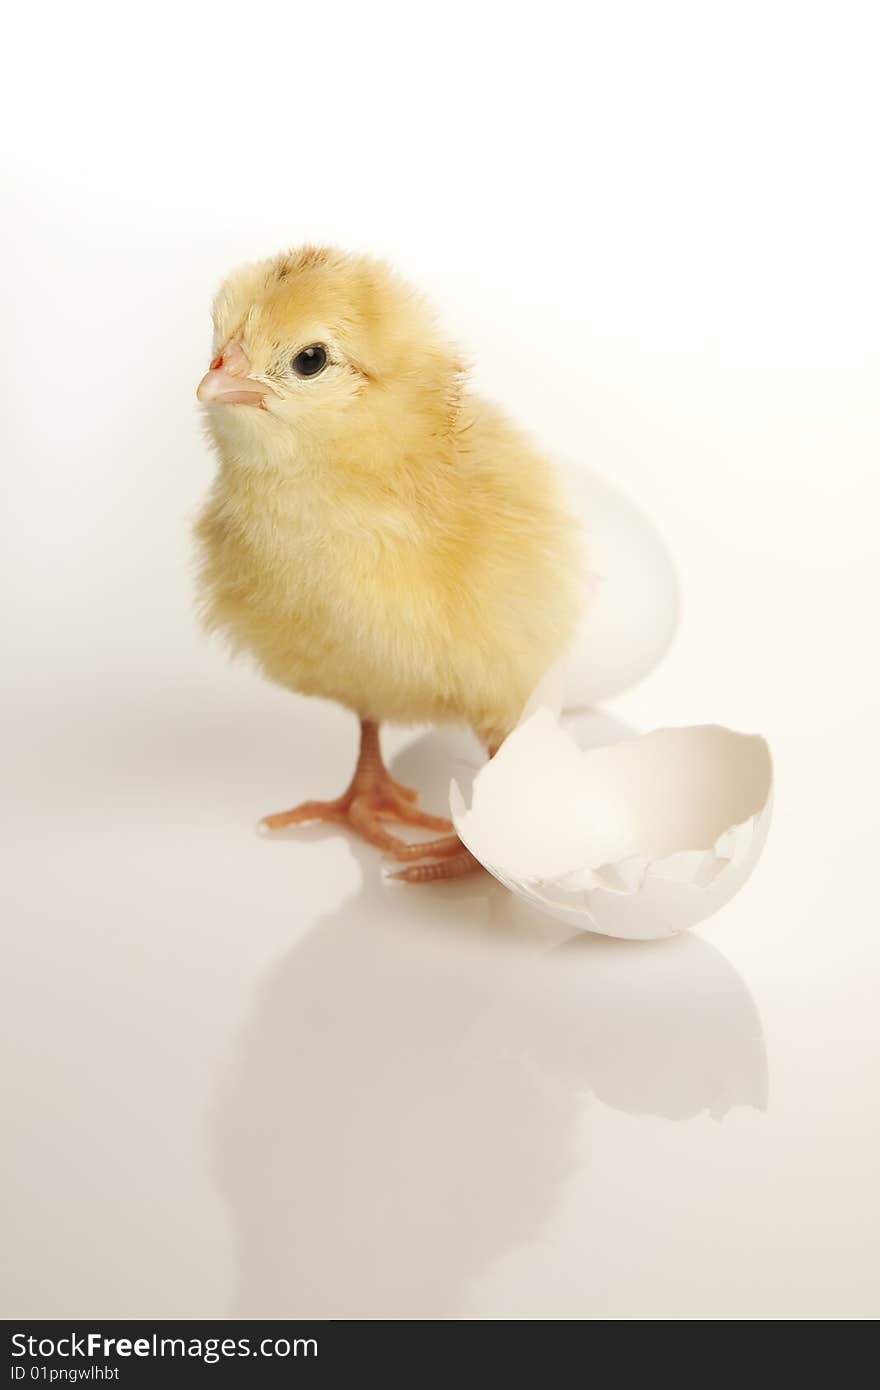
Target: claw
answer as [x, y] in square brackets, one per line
[308, 811]
[428, 849]
[455, 867]
[411, 815]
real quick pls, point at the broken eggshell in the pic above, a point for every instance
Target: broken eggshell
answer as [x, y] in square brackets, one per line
[641, 839]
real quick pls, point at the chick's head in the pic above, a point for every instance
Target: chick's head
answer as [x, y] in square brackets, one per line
[313, 344]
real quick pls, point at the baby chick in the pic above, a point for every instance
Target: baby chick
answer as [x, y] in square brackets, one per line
[376, 534]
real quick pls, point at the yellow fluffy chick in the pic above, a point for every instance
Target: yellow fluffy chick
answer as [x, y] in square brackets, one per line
[376, 534]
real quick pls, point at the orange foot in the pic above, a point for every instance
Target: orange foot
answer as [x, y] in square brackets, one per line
[372, 797]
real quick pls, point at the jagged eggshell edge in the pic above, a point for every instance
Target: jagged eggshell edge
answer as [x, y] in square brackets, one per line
[640, 896]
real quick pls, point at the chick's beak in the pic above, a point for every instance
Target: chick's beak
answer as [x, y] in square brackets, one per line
[228, 382]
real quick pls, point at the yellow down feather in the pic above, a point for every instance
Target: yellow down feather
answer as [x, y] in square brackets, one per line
[377, 534]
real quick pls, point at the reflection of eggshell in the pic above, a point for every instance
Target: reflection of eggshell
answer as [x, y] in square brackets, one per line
[632, 606]
[642, 838]
[668, 1031]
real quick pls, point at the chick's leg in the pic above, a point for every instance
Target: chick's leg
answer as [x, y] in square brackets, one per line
[455, 865]
[372, 797]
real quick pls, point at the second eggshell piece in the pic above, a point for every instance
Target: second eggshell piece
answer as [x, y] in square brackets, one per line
[631, 606]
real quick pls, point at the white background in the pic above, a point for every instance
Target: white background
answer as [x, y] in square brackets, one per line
[248, 1079]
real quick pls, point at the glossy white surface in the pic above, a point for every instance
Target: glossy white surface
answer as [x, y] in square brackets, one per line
[249, 1077]
[253, 1079]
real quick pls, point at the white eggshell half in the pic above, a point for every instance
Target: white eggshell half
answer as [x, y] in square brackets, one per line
[632, 600]
[641, 839]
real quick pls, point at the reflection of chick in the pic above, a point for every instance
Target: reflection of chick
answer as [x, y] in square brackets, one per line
[367, 1179]
[376, 534]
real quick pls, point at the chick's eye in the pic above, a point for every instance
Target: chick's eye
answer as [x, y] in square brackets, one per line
[310, 361]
